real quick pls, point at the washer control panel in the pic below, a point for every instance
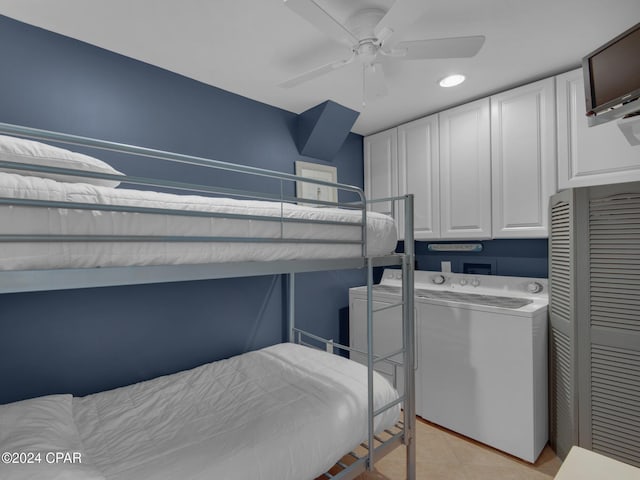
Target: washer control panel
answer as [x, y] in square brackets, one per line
[453, 282]
[481, 284]
[392, 274]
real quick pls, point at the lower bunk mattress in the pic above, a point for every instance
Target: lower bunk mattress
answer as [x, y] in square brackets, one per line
[23, 220]
[286, 412]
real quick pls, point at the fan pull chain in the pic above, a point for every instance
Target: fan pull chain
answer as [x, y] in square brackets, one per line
[364, 86]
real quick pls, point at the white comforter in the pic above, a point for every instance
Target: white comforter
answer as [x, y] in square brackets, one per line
[284, 412]
[381, 231]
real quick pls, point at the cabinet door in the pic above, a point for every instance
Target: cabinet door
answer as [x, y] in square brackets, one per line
[523, 159]
[589, 155]
[419, 174]
[465, 171]
[380, 170]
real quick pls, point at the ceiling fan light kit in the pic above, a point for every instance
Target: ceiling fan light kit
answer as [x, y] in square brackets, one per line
[372, 32]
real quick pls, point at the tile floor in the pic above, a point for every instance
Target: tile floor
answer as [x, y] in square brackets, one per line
[444, 455]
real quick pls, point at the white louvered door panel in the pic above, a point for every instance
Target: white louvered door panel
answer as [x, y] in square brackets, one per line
[562, 348]
[612, 406]
[615, 403]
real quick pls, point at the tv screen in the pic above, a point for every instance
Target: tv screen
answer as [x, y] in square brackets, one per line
[612, 72]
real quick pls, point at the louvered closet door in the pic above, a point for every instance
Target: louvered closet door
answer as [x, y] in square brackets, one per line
[610, 410]
[563, 428]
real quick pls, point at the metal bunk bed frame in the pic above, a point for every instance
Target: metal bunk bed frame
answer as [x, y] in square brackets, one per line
[354, 463]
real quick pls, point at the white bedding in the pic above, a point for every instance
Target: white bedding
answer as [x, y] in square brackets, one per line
[286, 412]
[381, 231]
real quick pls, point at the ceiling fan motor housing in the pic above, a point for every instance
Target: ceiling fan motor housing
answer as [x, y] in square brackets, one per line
[362, 24]
[366, 51]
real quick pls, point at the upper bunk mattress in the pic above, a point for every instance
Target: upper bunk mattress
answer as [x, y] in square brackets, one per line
[286, 412]
[381, 230]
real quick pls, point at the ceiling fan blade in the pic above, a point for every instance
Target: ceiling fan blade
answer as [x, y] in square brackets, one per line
[316, 72]
[322, 20]
[375, 84]
[402, 13]
[455, 47]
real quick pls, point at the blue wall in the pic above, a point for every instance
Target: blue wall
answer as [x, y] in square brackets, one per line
[518, 258]
[82, 341]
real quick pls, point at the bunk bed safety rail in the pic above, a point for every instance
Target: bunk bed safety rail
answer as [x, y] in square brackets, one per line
[210, 190]
[39, 134]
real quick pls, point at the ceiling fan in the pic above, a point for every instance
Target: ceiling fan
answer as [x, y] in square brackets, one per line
[374, 34]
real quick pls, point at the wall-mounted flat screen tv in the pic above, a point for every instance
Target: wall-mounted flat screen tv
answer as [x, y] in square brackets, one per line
[612, 73]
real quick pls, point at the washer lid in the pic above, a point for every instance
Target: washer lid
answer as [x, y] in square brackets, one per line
[473, 298]
[387, 289]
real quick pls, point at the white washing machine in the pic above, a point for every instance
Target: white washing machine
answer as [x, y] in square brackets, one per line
[481, 353]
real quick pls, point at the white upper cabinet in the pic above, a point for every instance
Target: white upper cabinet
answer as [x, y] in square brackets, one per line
[465, 171]
[589, 155]
[523, 159]
[381, 170]
[419, 174]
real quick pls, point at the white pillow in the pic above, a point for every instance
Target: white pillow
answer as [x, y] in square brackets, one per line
[35, 431]
[20, 150]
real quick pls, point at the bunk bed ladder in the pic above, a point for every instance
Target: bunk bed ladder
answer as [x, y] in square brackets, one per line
[408, 323]
[354, 463]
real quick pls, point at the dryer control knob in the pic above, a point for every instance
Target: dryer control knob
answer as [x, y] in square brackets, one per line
[475, 282]
[437, 279]
[463, 281]
[534, 287]
[398, 275]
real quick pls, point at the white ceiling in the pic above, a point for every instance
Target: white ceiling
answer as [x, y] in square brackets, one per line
[249, 46]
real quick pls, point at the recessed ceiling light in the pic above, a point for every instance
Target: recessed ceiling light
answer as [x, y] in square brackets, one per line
[452, 80]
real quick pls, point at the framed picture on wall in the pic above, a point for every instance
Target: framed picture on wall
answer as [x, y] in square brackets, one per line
[312, 190]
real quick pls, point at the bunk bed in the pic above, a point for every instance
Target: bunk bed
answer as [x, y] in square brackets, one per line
[64, 225]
